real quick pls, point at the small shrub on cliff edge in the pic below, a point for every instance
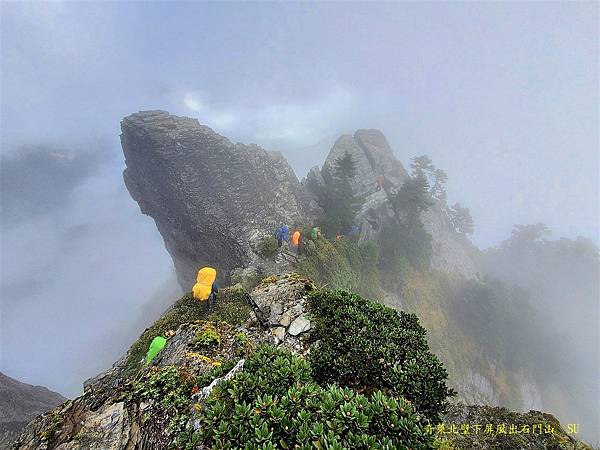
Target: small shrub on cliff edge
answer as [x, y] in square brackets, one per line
[267, 247]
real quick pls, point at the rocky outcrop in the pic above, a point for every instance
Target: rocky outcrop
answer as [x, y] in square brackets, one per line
[280, 305]
[485, 427]
[211, 199]
[19, 404]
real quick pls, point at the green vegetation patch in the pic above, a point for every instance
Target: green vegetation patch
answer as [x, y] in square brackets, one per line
[267, 247]
[367, 346]
[207, 337]
[167, 391]
[343, 264]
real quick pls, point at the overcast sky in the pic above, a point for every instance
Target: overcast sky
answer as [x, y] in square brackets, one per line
[503, 96]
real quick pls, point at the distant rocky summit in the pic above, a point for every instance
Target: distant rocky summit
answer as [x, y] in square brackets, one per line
[19, 404]
[374, 158]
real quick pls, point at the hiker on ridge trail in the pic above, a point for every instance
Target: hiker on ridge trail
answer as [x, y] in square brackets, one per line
[296, 240]
[205, 287]
[213, 295]
[315, 233]
[281, 235]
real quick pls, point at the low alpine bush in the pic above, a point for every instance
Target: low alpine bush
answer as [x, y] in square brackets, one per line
[274, 403]
[367, 346]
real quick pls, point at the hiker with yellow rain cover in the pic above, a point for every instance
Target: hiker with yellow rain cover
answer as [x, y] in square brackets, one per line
[205, 287]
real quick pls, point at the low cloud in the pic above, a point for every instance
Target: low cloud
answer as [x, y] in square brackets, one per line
[37, 180]
[79, 262]
[290, 125]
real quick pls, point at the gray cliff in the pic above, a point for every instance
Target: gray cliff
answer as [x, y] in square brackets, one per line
[210, 198]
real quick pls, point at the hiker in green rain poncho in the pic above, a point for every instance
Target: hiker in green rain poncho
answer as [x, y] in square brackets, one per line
[157, 344]
[315, 233]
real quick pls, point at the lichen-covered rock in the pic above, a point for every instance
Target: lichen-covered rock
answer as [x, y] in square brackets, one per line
[485, 427]
[210, 198]
[280, 303]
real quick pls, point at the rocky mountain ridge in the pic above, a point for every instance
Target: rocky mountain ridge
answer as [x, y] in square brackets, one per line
[212, 200]
[121, 411]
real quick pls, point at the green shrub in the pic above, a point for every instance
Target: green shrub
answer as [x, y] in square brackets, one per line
[367, 346]
[274, 403]
[207, 337]
[267, 247]
[167, 390]
[402, 242]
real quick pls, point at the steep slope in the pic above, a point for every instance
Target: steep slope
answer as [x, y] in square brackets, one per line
[19, 404]
[562, 277]
[211, 199]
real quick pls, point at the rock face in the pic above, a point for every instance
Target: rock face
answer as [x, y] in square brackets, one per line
[19, 404]
[211, 199]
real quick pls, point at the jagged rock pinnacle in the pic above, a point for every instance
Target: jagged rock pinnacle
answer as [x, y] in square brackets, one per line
[210, 198]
